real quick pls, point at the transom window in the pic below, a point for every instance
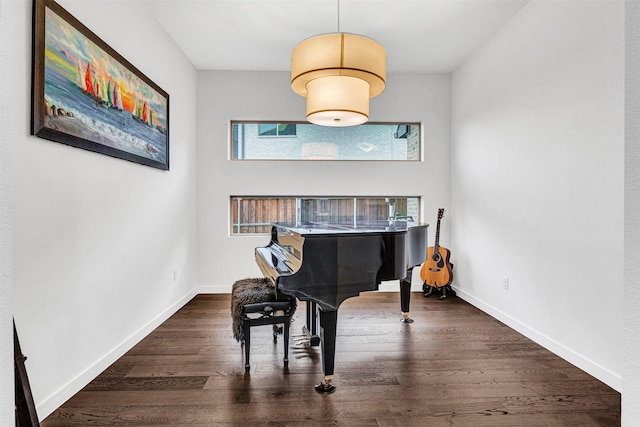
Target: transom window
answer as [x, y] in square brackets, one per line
[305, 141]
[277, 129]
[254, 215]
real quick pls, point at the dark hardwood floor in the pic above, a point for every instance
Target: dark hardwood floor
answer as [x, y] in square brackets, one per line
[455, 366]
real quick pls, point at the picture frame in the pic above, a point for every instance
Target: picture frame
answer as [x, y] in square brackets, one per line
[86, 95]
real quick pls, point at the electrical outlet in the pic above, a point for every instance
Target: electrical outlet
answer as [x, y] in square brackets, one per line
[505, 283]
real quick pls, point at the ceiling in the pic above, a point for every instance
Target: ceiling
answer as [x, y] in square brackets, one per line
[432, 36]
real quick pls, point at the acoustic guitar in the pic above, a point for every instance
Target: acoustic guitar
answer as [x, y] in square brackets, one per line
[437, 271]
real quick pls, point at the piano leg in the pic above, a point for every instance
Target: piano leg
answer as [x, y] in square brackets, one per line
[328, 326]
[405, 297]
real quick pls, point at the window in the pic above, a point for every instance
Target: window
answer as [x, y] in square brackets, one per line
[305, 141]
[276, 129]
[254, 215]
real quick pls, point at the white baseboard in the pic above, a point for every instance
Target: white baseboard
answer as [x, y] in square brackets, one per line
[391, 286]
[394, 286]
[611, 379]
[53, 402]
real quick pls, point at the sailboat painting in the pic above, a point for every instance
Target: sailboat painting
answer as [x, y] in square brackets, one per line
[86, 95]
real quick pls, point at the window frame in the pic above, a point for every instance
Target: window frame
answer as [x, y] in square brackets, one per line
[238, 149]
[277, 135]
[412, 204]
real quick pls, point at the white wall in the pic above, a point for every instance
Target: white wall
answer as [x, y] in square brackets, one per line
[631, 325]
[96, 239]
[225, 96]
[537, 179]
[6, 337]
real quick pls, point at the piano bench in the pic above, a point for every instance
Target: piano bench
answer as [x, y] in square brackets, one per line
[255, 302]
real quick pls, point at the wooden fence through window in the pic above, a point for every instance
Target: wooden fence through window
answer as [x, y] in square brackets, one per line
[254, 215]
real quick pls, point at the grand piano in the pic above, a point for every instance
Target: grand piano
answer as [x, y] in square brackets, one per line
[324, 264]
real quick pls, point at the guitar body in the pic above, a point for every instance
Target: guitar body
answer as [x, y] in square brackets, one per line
[437, 270]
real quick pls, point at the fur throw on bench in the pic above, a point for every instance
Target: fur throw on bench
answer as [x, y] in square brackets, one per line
[250, 291]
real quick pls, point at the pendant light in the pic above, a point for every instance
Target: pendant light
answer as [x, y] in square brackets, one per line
[338, 73]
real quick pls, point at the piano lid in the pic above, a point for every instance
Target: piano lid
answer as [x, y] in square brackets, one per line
[322, 228]
[328, 263]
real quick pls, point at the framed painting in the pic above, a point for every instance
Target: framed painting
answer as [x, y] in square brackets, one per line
[86, 95]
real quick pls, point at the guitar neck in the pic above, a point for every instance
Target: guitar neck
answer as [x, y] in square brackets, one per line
[437, 245]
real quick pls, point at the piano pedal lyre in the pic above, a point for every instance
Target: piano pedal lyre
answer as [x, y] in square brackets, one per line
[299, 338]
[309, 337]
[305, 338]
